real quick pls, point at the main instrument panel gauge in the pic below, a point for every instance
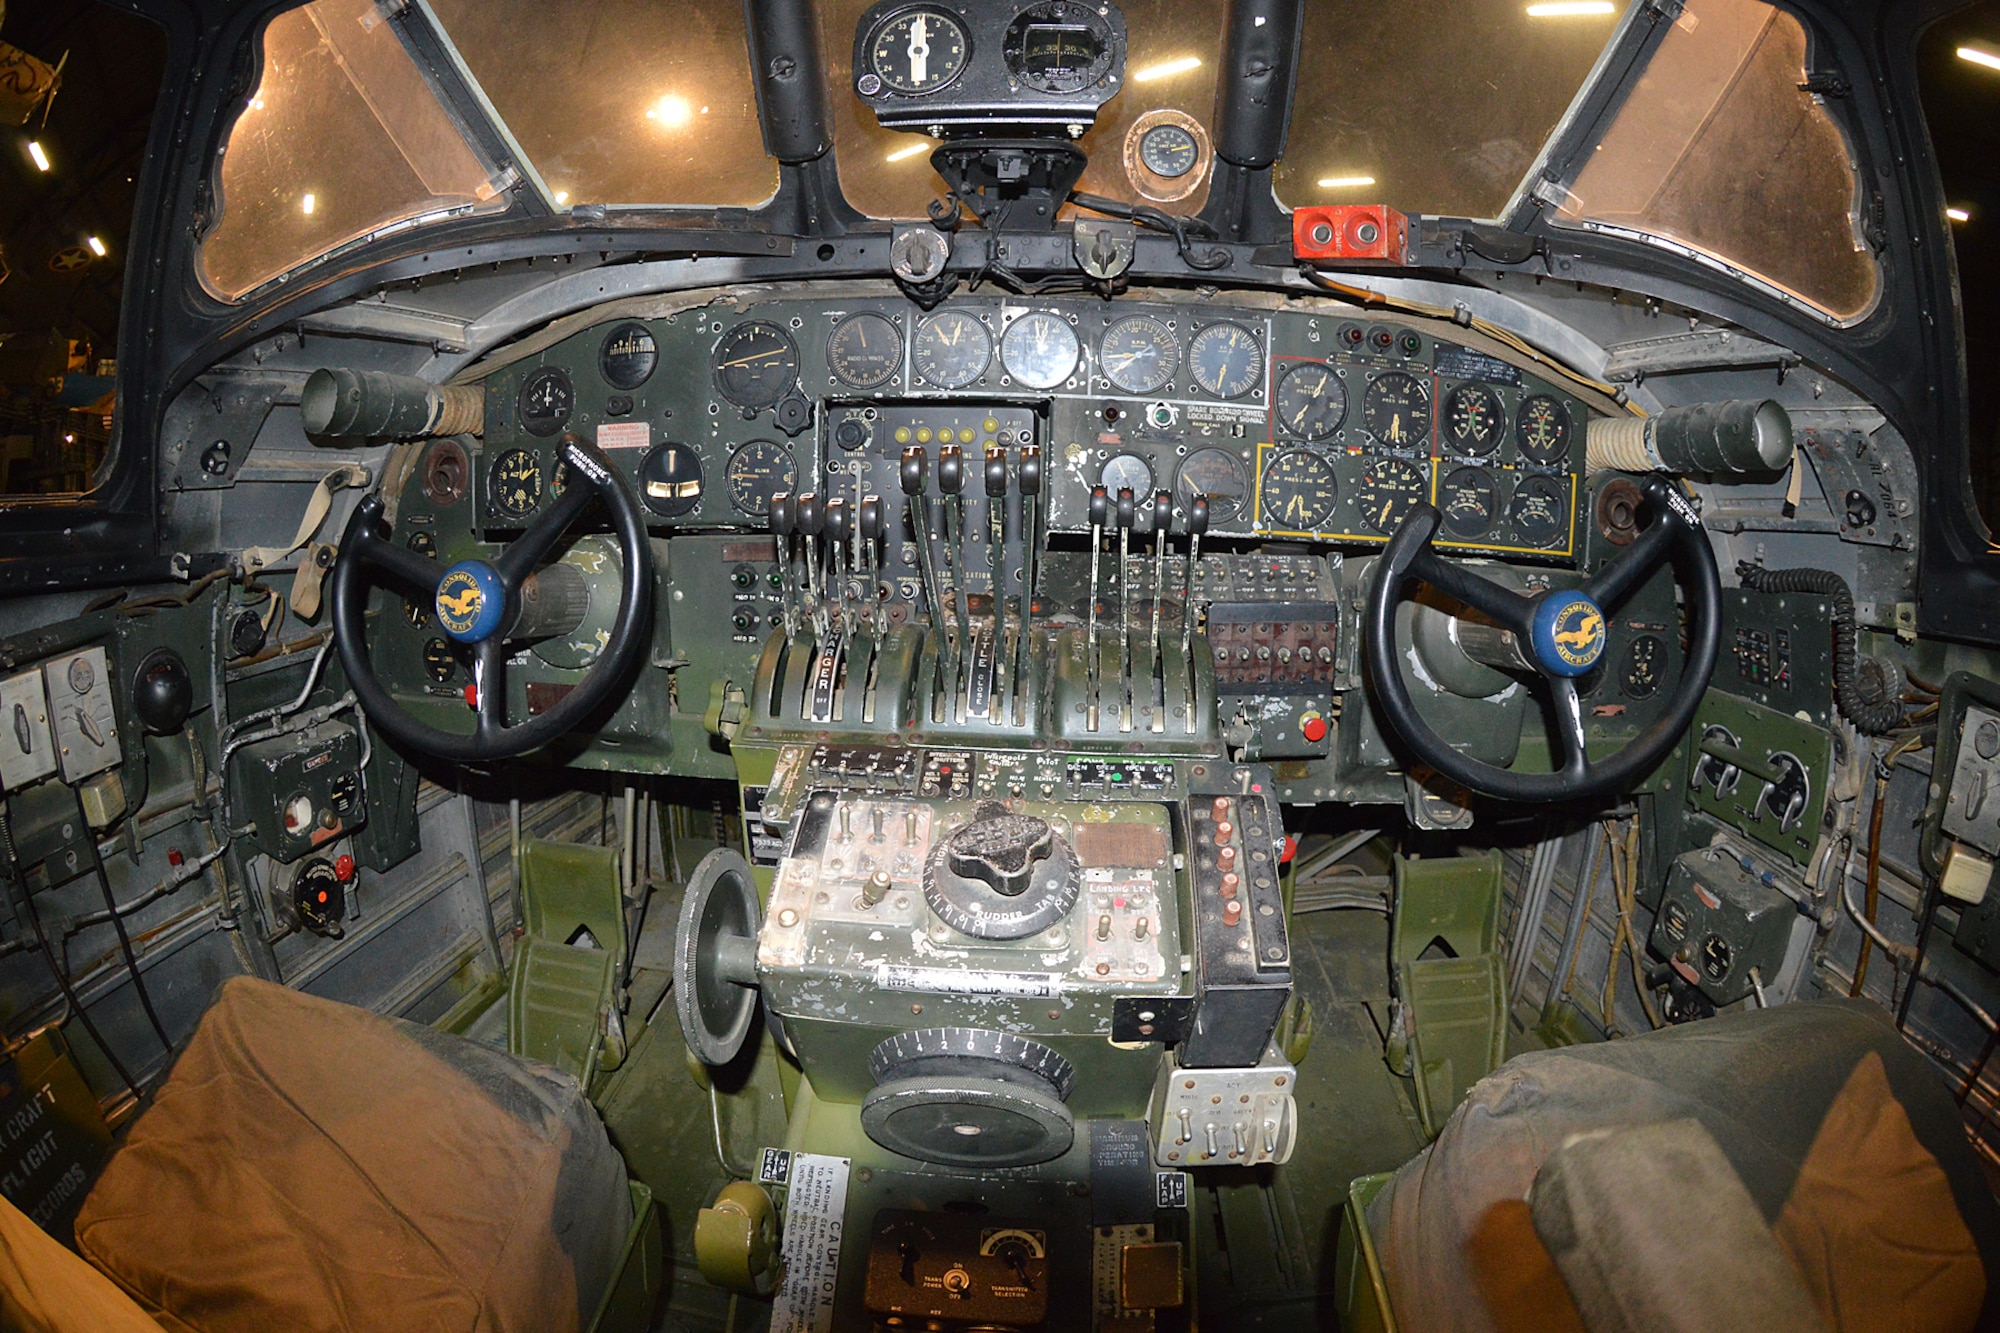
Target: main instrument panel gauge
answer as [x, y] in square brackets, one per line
[1640, 672]
[1470, 502]
[952, 349]
[514, 483]
[670, 479]
[1217, 476]
[546, 400]
[1396, 409]
[1039, 350]
[1390, 489]
[1716, 957]
[439, 662]
[1542, 429]
[758, 471]
[1298, 492]
[865, 351]
[1540, 511]
[755, 364]
[628, 357]
[1169, 151]
[918, 51]
[1474, 418]
[1059, 47]
[1127, 472]
[1227, 360]
[1674, 919]
[1139, 354]
[1312, 402]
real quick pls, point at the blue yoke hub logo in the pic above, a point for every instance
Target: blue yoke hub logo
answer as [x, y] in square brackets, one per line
[1569, 634]
[470, 601]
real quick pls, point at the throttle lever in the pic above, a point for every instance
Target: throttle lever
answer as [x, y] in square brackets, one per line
[1128, 514]
[810, 523]
[783, 523]
[1100, 513]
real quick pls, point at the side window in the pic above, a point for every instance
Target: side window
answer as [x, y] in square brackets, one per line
[1958, 64]
[77, 88]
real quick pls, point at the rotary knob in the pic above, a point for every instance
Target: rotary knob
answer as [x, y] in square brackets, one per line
[1001, 851]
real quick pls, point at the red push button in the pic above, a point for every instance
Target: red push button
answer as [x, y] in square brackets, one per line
[343, 867]
[472, 696]
[1313, 727]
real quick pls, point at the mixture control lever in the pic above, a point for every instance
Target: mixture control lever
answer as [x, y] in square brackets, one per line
[874, 526]
[783, 523]
[1031, 556]
[1128, 514]
[1197, 525]
[811, 521]
[951, 484]
[1100, 514]
[839, 527]
[916, 466]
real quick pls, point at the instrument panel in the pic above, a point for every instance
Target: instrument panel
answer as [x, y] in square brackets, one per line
[1293, 425]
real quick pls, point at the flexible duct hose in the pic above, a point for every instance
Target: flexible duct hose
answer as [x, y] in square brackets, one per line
[1873, 718]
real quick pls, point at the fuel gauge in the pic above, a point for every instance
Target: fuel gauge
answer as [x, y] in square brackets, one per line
[1470, 502]
[1540, 511]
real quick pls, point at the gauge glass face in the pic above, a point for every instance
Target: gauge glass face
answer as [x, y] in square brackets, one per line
[1639, 673]
[1059, 47]
[755, 364]
[670, 480]
[1039, 350]
[865, 351]
[1540, 511]
[1139, 354]
[952, 349]
[1470, 501]
[1218, 476]
[1396, 410]
[1474, 418]
[1390, 488]
[1542, 430]
[1168, 151]
[1312, 402]
[418, 611]
[1674, 918]
[1227, 360]
[1126, 472]
[439, 663]
[514, 484]
[1716, 956]
[758, 471]
[547, 399]
[1298, 492]
[628, 356]
[918, 52]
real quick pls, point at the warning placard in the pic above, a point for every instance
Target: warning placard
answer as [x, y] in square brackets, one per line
[812, 1245]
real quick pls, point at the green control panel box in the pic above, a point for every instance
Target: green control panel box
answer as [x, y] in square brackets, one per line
[1762, 772]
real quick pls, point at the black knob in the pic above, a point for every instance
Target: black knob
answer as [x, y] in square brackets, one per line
[996, 473]
[1163, 511]
[1001, 851]
[951, 470]
[836, 519]
[1198, 515]
[851, 434]
[163, 692]
[915, 466]
[874, 524]
[1100, 507]
[1031, 470]
[809, 515]
[1128, 508]
[783, 519]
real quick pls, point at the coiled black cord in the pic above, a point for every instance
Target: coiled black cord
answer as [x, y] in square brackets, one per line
[1874, 718]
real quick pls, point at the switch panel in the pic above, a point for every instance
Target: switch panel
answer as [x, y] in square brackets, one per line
[300, 791]
[27, 746]
[1972, 807]
[1225, 1117]
[86, 722]
[1718, 920]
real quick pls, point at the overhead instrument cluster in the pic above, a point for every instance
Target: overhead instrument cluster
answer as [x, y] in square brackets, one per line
[936, 65]
[1289, 424]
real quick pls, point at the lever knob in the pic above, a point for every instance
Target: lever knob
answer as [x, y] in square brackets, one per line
[873, 523]
[1100, 507]
[951, 469]
[916, 464]
[1031, 470]
[809, 514]
[782, 517]
[1163, 511]
[996, 472]
[837, 519]
[1198, 515]
[1128, 508]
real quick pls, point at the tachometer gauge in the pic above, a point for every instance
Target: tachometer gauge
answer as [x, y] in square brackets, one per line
[755, 364]
[1227, 360]
[1470, 502]
[628, 356]
[1396, 410]
[1039, 350]
[1390, 488]
[547, 398]
[1312, 402]
[758, 471]
[1216, 475]
[1139, 354]
[1540, 511]
[1640, 671]
[1474, 417]
[918, 51]
[1169, 151]
[1298, 492]
[1059, 47]
[1127, 472]
[1542, 429]
[514, 483]
[952, 349]
[865, 351]
[670, 480]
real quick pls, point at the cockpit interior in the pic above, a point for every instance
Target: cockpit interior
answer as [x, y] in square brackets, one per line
[993, 666]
